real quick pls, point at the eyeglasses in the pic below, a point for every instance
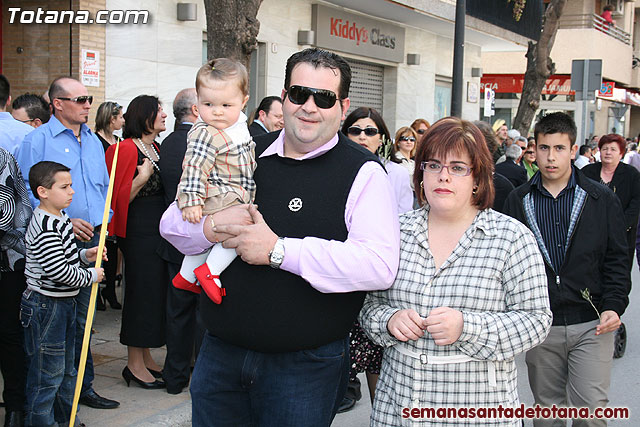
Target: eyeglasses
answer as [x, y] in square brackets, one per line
[456, 169]
[79, 99]
[356, 131]
[26, 121]
[421, 131]
[407, 138]
[323, 98]
[529, 152]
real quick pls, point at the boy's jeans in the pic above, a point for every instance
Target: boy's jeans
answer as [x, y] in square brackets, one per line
[49, 333]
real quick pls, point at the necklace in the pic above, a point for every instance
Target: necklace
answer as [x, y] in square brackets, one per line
[146, 153]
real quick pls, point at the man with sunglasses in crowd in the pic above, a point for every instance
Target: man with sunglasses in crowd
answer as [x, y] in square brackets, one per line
[67, 139]
[276, 351]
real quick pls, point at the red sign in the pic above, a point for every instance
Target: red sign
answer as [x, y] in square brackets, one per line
[606, 90]
[513, 83]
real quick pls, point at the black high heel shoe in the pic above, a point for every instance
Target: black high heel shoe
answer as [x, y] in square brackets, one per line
[156, 374]
[110, 297]
[128, 377]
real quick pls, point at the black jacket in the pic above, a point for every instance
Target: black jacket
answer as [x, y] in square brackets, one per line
[596, 257]
[256, 130]
[172, 153]
[626, 184]
[513, 172]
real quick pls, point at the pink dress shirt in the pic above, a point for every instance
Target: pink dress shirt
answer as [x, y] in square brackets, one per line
[368, 259]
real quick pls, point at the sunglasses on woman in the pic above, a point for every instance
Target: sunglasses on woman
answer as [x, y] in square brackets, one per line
[323, 98]
[356, 131]
[407, 138]
[78, 99]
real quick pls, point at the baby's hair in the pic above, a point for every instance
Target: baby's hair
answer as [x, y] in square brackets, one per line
[43, 173]
[223, 69]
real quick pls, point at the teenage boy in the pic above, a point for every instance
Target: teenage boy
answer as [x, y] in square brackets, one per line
[579, 226]
[48, 309]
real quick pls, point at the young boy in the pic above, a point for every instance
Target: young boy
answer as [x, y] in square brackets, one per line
[579, 226]
[48, 307]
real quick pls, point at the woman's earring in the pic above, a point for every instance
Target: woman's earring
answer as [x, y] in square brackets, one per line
[422, 184]
[475, 191]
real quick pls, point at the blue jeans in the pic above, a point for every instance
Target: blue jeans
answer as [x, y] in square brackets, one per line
[233, 386]
[82, 299]
[49, 331]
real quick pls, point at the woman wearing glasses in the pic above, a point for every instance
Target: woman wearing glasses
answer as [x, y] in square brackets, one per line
[108, 120]
[365, 127]
[470, 292]
[420, 126]
[529, 159]
[404, 148]
[138, 204]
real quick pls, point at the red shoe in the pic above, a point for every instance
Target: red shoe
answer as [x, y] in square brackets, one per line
[214, 291]
[182, 283]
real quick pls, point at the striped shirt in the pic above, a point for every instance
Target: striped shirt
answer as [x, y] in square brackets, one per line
[53, 259]
[553, 216]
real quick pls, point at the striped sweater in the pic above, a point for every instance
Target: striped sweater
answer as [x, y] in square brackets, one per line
[53, 260]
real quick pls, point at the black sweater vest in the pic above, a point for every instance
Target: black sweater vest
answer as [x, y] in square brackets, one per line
[271, 310]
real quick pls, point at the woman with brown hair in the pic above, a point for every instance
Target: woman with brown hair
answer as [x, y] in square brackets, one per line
[470, 294]
[137, 204]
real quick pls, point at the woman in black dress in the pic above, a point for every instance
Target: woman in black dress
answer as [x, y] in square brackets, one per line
[137, 206]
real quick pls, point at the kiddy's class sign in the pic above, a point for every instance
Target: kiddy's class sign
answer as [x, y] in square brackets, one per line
[339, 30]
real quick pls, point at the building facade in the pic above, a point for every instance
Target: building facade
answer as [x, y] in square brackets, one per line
[401, 52]
[583, 34]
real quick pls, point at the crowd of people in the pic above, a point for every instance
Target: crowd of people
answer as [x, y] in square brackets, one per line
[427, 261]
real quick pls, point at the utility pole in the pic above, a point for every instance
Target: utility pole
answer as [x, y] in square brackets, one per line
[458, 59]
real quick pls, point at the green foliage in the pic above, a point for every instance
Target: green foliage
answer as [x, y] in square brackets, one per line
[518, 8]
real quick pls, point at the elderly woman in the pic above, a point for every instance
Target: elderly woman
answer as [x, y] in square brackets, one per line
[470, 294]
[108, 120]
[622, 179]
[404, 147]
[138, 204]
[365, 127]
[529, 159]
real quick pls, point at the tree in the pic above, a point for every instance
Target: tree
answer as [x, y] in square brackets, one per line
[539, 67]
[232, 28]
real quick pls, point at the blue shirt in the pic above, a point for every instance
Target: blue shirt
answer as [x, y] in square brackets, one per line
[12, 132]
[553, 216]
[54, 142]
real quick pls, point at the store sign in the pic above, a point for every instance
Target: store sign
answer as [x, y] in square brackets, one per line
[513, 83]
[347, 32]
[90, 68]
[606, 90]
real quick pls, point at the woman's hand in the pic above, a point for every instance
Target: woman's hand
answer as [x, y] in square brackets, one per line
[92, 253]
[145, 169]
[444, 324]
[193, 214]
[406, 325]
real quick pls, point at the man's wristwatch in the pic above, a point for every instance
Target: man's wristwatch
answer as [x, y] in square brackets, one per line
[276, 256]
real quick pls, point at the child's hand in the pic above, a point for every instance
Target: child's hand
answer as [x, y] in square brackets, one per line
[100, 272]
[193, 214]
[92, 254]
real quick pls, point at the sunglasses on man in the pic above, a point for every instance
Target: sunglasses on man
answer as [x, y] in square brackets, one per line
[323, 98]
[356, 131]
[78, 99]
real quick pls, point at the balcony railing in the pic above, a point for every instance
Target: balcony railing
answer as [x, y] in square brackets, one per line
[596, 22]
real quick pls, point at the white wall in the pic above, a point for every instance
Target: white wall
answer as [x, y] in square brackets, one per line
[163, 56]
